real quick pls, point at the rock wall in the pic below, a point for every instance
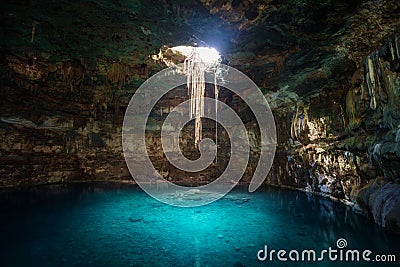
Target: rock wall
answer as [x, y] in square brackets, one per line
[55, 127]
[382, 200]
[62, 122]
[345, 143]
[375, 119]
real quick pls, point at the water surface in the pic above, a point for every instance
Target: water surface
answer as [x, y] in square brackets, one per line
[110, 225]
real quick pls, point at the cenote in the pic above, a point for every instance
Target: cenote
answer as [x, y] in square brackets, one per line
[119, 225]
[108, 109]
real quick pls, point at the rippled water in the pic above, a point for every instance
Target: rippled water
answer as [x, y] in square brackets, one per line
[109, 225]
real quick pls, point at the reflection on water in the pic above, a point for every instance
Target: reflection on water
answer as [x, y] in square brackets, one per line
[119, 225]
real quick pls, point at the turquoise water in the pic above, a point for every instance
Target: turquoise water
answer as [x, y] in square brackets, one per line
[109, 225]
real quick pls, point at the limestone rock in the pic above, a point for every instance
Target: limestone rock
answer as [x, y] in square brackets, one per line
[382, 199]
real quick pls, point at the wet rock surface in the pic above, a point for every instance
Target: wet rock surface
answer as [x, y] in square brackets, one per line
[329, 70]
[382, 199]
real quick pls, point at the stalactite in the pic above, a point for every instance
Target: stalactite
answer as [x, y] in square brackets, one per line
[34, 24]
[91, 126]
[352, 108]
[299, 122]
[73, 72]
[118, 73]
[372, 83]
[396, 44]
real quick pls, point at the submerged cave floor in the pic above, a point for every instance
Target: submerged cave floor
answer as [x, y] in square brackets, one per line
[119, 225]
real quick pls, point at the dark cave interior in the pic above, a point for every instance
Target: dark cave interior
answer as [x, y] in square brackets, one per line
[329, 71]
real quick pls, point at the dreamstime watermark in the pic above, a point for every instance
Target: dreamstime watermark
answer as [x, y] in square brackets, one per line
[332, 254]
[136, 123]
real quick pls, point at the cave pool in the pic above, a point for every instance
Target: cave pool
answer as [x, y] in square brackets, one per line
[119, 225]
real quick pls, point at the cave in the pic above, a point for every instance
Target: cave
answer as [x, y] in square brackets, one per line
[200, 133]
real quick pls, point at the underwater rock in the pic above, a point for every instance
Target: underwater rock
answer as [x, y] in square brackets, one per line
[134, 218]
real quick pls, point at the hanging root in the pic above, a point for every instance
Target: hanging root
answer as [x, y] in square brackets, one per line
[216, 112]
[195, 70]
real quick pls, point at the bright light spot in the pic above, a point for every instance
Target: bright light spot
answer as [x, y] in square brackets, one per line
[207, 54]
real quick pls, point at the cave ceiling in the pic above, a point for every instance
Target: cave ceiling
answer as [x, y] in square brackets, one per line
[301, 46]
